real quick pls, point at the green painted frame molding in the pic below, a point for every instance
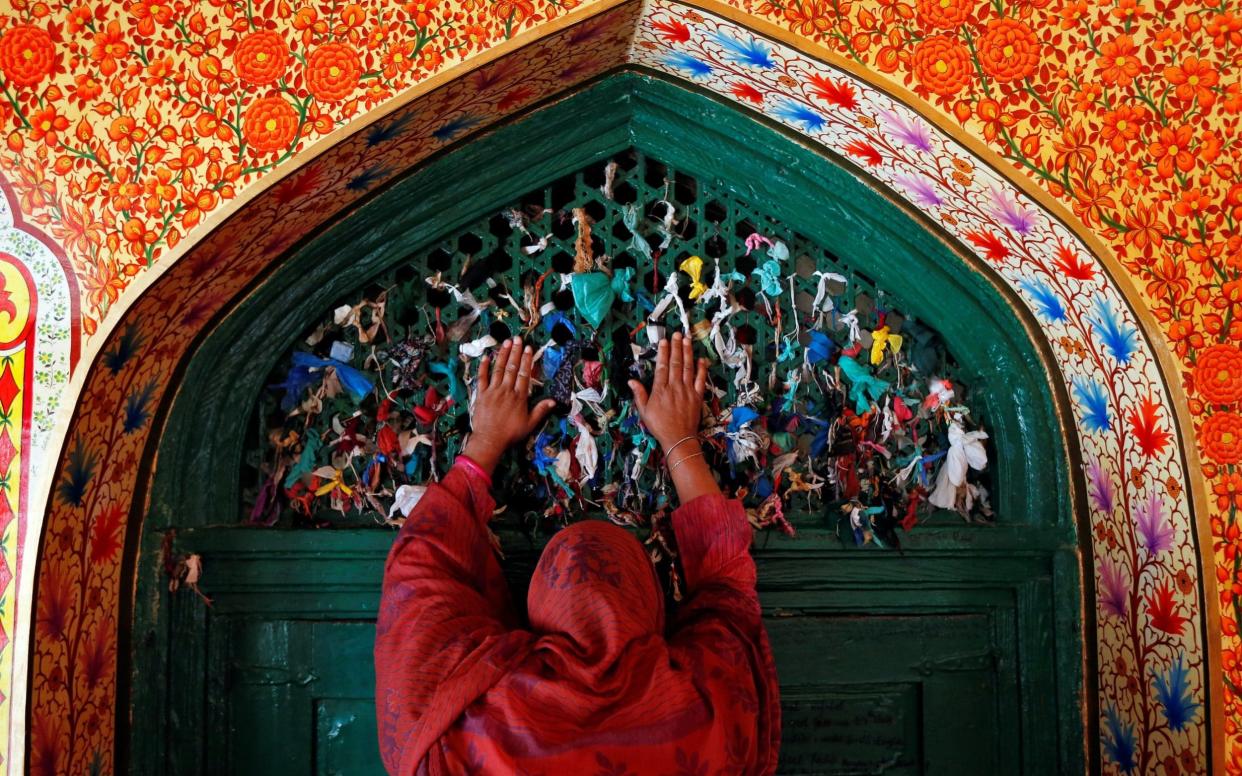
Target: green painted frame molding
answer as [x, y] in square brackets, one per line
[1037, 547]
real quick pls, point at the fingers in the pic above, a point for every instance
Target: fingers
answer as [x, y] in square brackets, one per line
[507, 363]
[485, 372]
[522, 385]
[661, 370]
[687, 360]
[539, 414]
[700, 379]
[640, 396]
[676, 352]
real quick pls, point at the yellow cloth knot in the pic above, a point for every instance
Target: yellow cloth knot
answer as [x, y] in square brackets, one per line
[693, 267]
[337, 481]
[881, 337]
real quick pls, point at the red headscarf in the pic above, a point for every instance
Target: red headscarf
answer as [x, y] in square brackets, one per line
[597, 684]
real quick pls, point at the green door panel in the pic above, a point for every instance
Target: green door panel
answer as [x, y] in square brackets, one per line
[964, 654]
[936, 666]
[933, 701]
[298, 698]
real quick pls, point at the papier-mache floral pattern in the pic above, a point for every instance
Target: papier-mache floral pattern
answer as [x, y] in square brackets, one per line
[130, 126]
[1151, 639]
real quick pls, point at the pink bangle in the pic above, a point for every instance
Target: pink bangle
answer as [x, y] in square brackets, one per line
[473, 465]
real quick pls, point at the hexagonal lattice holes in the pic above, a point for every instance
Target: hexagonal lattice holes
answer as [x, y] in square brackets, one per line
[817, 445]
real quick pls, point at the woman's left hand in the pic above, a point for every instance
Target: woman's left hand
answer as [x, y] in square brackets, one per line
[501, 414]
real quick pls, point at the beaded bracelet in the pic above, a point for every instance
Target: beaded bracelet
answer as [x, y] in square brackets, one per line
[682, 460]
[669, 452]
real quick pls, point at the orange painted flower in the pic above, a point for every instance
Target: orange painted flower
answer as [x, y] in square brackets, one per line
[1009, 50]
[332, 72]
[1143, 227]
[1218, 374]
[809, 17]
[1119, 61]
[1221, 437]
[1193, 79]
[943, 14]
[261, 57]
[420, 11]
[151, 13]
[1226, 30]
[27, 54]
[46, 125]
[398, 58]
[513, 11]
[1128, 11]
[1073, 149]
[110, 46]
[269, 124]
[1172, 149]
[942, 65]
[1122, 126]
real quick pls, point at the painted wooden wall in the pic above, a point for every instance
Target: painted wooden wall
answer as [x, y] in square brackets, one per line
[136, 129]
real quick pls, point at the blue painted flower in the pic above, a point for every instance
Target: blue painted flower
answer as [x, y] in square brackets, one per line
[78, 474]
[1120, 339]
[799, 114]
[1173, 692]
[367, 178]
[744, 52]
[455, 127]
[136, 409]
[1050, 306]
[380, 133]
[1118, 741]
[1095, 404]
[680, 60]
[126, 346]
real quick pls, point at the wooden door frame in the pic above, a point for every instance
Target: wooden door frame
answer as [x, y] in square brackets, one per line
[1026, 409]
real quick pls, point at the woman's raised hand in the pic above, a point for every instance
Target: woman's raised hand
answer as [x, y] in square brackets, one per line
[501, 414]
[673, 410]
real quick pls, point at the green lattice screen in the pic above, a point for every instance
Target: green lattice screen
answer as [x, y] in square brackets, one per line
[500, 253]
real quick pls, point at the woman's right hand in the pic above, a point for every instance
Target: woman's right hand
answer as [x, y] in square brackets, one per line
[673, 410]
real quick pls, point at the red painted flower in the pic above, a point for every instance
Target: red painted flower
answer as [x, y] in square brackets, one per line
[261, 57]
[942, 65]
[1221, 437]
[27, 54]
[332, 72]
[269, 124]
[1009, 50]
[943, 14]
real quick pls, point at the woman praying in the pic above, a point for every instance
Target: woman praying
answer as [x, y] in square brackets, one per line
[597, 682]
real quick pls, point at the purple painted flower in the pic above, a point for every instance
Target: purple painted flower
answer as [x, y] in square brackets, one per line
[1154, 530]
[922, 189]
[1010, 212]
[1114, 587]
[1100, 487]
[912, 132]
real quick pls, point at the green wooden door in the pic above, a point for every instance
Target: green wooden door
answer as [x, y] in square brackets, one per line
[962, 654]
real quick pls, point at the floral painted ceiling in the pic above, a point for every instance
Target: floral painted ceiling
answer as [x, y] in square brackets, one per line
[134, 128]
